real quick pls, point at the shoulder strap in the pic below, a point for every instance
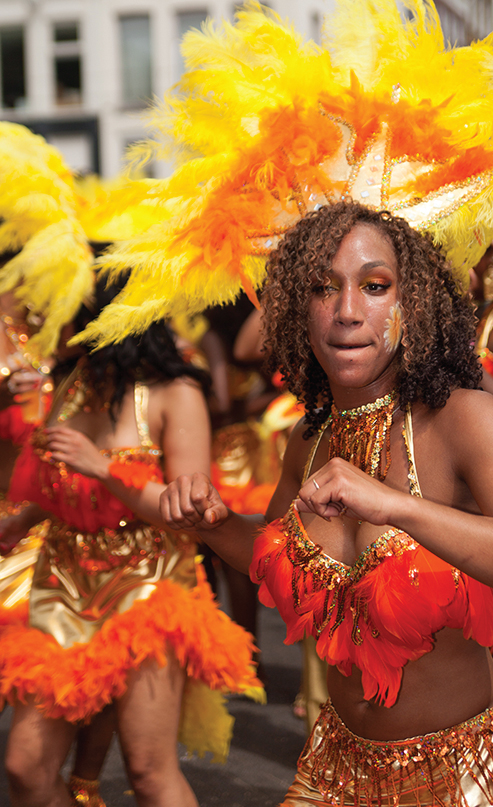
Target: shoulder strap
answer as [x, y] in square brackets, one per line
[308, 465]
[141, 400]
[407, 433]
[58, 400]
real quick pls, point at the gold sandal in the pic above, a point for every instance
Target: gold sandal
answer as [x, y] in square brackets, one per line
[85, 792]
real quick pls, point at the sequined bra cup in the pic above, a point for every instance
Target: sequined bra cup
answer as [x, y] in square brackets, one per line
[77, 500]
[380, 612]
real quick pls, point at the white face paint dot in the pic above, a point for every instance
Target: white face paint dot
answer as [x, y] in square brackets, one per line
[364, 194]
[377, 157]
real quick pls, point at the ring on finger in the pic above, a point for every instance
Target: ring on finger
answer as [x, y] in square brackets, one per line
[317, 486]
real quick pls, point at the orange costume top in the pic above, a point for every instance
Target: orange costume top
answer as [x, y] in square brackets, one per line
[379, 613]
[110, 591]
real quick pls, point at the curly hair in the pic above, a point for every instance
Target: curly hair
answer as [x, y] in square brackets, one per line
[436, 352]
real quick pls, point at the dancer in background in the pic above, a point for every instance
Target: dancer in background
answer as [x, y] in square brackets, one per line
[240, 394]
[28, 396]
[118, 608]
[26, 393]
[47, 270]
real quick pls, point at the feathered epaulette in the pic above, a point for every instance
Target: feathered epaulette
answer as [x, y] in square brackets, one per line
[52, 270]
[265, 127]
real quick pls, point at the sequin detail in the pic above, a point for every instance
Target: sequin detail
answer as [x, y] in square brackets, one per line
[335, 578]
[449, 767]
[362, 435]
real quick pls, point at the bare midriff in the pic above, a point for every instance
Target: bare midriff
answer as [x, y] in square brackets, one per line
[443, 688]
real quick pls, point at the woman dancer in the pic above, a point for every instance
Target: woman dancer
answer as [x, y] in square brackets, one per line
[116, 612]
[385, 554]
[30, 387]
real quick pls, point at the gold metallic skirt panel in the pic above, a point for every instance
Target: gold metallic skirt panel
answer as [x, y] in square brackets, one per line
[449, 768]
[16, 568]
[82, 579]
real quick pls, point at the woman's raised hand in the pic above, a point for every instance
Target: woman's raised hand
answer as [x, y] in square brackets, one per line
[191, 502]
[76, 450]
[339, 489]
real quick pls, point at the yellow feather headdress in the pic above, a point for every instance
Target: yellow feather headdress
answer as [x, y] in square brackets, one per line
[264, 127]
[118, 208]
[52, 272]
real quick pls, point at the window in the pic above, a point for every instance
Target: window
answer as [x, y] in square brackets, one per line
[316, 28]
[66, 32]
[240, 7]
[67, 63]
[184, 21]
[135, 39]
[12, 71]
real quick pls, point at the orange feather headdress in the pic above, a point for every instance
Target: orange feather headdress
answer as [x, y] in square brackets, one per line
[264, 127]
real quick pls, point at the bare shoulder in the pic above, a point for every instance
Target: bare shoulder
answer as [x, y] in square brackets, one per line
[465, 421]
[464, 410]
[181, 391]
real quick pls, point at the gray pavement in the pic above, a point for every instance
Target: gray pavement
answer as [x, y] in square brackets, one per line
[266, 743]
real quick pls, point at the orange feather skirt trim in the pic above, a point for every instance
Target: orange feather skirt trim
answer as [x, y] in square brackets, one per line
[77, 682]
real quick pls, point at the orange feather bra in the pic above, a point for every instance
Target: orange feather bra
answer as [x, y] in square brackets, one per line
[379, 613]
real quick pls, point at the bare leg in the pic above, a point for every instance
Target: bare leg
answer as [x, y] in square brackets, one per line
[148, 720]
[244, 607]
[36, 750]
[243, 597]
[93, 742]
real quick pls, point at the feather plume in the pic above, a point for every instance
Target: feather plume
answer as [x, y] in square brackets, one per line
[264, 127]
[51, 273]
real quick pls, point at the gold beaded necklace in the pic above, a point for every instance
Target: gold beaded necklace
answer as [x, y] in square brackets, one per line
[362, 435]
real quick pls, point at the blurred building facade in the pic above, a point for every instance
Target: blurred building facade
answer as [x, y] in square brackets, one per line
[80, 72]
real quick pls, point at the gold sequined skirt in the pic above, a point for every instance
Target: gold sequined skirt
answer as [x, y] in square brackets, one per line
[16, 568]
[449, 768]
[83, 579]
[104, 603]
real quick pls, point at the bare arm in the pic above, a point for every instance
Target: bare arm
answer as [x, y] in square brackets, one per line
[193, 503]
[250, 340]
[185, 443]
